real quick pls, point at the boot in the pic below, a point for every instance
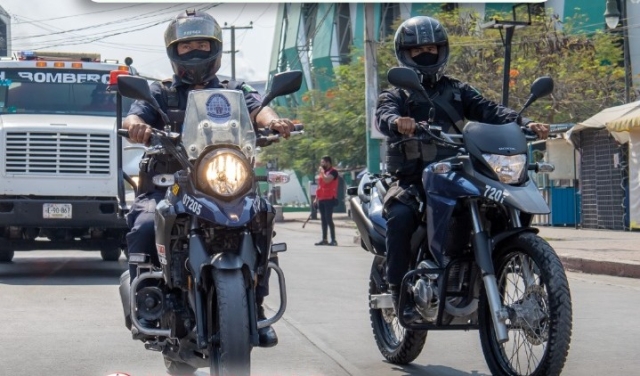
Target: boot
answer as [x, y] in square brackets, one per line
[410, 313]
[267, 336]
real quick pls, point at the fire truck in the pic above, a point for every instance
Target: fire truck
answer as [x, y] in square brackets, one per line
[58, 162]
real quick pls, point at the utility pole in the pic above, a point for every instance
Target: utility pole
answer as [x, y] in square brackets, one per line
[233, 45]
[371, 91]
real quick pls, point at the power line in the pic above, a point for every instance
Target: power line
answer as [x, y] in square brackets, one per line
[77, 15]
[125, 29]
[119, 21]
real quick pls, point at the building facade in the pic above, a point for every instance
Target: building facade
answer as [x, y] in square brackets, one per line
[317, 37]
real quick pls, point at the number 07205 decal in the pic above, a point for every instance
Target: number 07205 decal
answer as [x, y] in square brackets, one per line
[495, 194]
[191, 204]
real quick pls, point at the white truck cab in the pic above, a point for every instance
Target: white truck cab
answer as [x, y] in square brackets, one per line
[58, 159]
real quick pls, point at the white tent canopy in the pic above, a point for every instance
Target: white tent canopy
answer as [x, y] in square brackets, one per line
[608, 118]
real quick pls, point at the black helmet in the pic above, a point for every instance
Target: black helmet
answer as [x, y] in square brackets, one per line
[194, 25]
[420, 31]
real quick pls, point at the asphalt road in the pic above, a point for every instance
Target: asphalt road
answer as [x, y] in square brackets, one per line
[60, 314]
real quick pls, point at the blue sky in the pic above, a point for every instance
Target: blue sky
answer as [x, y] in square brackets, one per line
[136, 30]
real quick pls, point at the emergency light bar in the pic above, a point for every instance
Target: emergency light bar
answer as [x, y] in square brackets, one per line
[59, 56]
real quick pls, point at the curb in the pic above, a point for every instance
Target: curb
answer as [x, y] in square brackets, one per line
[616, 269]
[570, 263]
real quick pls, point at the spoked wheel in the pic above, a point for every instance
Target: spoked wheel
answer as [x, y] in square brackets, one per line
[534, 289]
[397, 344]
[230, 345]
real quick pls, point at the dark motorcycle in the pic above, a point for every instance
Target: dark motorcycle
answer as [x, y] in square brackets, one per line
[213, 234]
[477, 262]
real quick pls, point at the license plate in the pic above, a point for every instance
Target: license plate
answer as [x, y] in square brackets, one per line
[56, 211]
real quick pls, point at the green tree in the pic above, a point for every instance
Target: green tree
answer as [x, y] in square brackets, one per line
[586, 68]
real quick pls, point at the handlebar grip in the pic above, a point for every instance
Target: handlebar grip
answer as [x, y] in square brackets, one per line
[123, 132]
[298, 127]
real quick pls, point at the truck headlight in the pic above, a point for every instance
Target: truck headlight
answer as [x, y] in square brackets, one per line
[224, 173]
[509, 168]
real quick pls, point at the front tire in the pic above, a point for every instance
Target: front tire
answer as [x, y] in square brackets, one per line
[397, 344]
[230, 355]
[534, 289]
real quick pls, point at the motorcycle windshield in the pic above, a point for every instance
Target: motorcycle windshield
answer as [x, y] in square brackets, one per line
[217, 117]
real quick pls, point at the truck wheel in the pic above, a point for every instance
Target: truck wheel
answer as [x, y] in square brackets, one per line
[110, 253]
[6, 255]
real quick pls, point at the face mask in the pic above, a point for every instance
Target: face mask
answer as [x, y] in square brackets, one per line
[195, 54]
[426, 59]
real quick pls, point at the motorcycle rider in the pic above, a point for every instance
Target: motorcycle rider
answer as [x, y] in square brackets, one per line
[421, 43]
[193, 40]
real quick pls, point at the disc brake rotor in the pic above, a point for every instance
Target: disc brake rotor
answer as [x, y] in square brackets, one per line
[530, 315]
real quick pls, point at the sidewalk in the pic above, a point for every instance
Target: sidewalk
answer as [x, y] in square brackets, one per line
[615, 253]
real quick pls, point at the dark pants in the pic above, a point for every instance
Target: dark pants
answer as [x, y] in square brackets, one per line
[325, 207]
[141, 237]
[401, 224]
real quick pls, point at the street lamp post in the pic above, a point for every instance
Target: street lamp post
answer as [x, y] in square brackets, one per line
[612, 17]
[509, 27]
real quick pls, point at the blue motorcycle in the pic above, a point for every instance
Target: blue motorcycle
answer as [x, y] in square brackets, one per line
[213, 234]
[477, 261]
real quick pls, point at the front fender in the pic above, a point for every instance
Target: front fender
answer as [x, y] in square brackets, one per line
[505, 235]
[226, 261]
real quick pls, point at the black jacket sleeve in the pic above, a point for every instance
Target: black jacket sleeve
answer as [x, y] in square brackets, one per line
[388, 109]
[479, 108]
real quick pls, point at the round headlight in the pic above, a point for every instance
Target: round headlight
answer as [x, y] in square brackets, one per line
[224, 173]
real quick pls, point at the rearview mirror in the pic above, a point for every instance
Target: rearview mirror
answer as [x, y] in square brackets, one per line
[282, 84]
[137, 88]
[542, 87]
[134, 87]
[404, 78]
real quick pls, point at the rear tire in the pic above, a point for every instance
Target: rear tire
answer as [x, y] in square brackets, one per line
[110, 253]
[6, 255]
[539, 324]
[397, 344]
[231, 356]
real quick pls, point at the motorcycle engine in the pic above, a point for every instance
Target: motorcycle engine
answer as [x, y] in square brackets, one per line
[425, 293]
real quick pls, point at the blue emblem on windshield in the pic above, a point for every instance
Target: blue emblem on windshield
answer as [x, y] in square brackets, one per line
[218, 108]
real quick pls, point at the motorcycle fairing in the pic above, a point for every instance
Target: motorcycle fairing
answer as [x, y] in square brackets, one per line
[234, 214]
[503, 139]
[443, 192]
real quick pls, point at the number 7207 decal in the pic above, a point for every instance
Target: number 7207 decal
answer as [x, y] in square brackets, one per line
[495, 194]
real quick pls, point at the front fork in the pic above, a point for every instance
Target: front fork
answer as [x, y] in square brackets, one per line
[483, 249]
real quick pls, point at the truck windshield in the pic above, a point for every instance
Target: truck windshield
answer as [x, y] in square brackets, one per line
[58, 91]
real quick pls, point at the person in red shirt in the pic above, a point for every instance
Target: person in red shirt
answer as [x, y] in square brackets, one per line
[327, 198]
